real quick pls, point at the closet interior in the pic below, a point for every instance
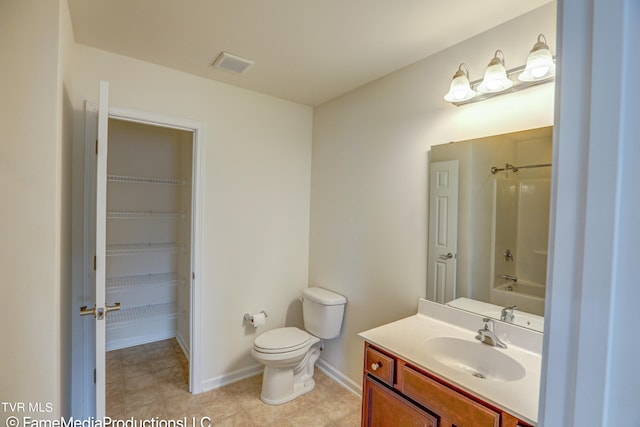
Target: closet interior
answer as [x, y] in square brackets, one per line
[149, 202]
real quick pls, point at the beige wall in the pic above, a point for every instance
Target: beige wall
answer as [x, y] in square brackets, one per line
[256, 182]
[35, 130]
[369, 175]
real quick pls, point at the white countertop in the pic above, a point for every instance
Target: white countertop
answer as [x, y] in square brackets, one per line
[406, 339]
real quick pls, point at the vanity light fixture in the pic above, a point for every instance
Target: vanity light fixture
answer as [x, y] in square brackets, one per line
[540, 68]
[539, 63]
[460, 89]
[495, 76]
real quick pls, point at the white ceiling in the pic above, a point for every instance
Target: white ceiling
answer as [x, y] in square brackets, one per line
[306, 51]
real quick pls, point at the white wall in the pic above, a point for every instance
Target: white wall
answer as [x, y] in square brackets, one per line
[590, 373]
[369, 175]
[256, 184]
[35, 130]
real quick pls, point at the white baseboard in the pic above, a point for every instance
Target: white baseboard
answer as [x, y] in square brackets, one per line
[118, 344]
[232, 377]
[251, 371]
[339, 377]
[183, 345]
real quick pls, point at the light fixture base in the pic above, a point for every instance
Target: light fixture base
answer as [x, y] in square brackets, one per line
[518, 85]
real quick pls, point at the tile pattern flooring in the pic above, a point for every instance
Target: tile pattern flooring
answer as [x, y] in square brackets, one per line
[150, 382]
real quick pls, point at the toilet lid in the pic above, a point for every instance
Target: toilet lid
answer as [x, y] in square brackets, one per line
[282, 340]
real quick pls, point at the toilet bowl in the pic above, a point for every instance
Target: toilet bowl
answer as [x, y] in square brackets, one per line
[289, 354]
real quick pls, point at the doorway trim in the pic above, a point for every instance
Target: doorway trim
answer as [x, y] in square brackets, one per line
[198, 130]
[82, 373]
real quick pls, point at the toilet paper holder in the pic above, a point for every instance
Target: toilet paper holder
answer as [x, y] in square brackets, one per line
[249, 317]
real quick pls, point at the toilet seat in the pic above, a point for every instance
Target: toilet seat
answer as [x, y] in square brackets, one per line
[282, 340]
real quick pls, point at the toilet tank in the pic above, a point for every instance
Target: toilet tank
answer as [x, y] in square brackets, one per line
[322, 311]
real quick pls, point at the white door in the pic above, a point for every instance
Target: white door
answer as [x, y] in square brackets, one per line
[94, 339]
[443, 231]
[101, 242]
[100, 309]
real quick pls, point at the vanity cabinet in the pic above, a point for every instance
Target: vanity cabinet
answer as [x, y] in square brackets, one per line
[386, 408]
[397, 393]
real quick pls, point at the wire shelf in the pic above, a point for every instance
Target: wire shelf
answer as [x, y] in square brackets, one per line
[144, 180]
[141, 248]
[114, 284]
[137, 314]
[144, 215]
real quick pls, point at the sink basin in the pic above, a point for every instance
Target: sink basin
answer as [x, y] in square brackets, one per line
[477, 359]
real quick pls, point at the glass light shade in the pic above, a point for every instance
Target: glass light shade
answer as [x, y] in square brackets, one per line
[495, 77]
[540, 63]
[460, 88]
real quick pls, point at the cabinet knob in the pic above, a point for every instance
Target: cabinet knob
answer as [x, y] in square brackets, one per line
[376, 366]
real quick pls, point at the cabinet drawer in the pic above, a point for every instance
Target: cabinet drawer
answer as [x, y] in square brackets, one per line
[384, 408]
[447, 403]
[379, 365]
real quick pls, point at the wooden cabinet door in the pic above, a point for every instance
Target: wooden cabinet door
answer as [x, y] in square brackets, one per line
[447, 403]
[384, 408]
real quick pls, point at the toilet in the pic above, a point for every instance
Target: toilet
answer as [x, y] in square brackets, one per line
[289, 354]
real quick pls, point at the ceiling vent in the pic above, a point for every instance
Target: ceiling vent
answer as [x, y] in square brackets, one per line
[232, 63]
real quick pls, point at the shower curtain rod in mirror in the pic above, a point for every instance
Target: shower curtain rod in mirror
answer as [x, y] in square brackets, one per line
[509, 167]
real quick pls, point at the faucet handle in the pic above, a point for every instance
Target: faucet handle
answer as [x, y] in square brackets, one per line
[506, 315]
[487, 334]
[487, 324]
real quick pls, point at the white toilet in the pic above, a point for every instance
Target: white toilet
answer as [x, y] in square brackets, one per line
[289, 354]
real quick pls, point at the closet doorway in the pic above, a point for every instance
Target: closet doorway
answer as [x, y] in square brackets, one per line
[148, 262]
[143, 220]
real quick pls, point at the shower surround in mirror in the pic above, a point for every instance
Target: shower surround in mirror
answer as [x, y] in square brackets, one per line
[503, 220]
[520, 237]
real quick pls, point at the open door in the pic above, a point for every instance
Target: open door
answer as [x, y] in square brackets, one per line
[100, 309]
[92, 389]
[443, 231]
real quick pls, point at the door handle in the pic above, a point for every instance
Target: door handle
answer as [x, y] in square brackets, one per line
[85, 312]
[114, 307]
[446, 256]
[99, 313]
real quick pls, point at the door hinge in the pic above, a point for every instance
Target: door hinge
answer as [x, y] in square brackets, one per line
[94, 376]
[193, 276]
[94, 263]
[96, 146]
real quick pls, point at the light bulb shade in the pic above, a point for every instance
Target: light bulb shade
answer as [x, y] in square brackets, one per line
[540, 63]
[495, 77]
[460, 88]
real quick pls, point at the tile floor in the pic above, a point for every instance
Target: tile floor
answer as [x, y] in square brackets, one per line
[150, 381]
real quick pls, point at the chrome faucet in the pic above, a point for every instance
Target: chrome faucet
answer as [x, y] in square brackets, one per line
[514, 279]
[506, 315]
[487, 334]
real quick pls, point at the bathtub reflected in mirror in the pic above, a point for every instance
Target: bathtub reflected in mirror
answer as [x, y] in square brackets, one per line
[489, 203]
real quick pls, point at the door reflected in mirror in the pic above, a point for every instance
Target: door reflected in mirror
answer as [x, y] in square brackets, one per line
[489, 201]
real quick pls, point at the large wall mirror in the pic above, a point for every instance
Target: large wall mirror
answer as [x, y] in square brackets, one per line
[489, 204]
